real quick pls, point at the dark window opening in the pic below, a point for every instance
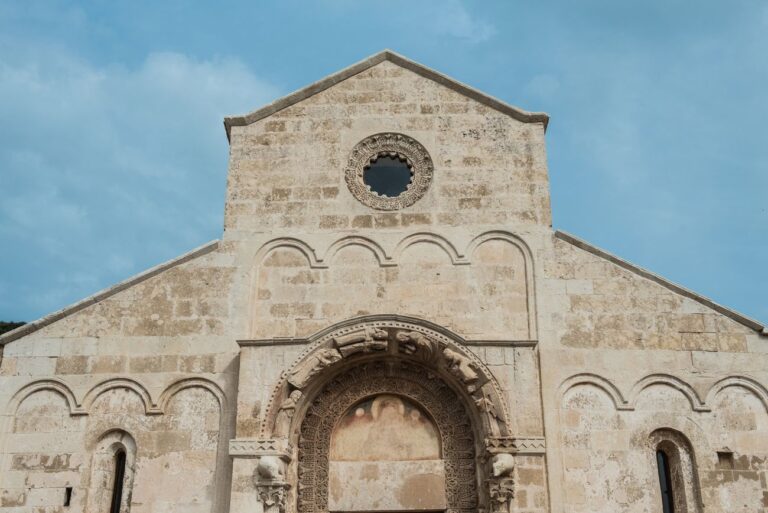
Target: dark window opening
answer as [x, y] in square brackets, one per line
[388, 176]
[67, 496]
[725, 460]
[665, 482]
[117, 486]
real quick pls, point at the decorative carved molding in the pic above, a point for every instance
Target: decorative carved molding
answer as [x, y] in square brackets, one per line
[273, 496]
[501, 492]
[393, 377]
[244, 447]
[515, 445]
[494, 417]
[367, 340]
[392, 144]
[313, 365]
[408, 340]
[421, 347]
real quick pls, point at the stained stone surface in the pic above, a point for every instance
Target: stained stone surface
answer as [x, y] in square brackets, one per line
[387, 486]
[507, 336]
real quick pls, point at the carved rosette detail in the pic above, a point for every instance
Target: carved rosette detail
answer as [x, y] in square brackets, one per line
[408, 380]
[395, 145]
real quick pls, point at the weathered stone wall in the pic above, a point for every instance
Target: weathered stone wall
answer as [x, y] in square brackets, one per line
[625, 355]
[603, 306]
[287, 170]
[597, 357]
[156, 361]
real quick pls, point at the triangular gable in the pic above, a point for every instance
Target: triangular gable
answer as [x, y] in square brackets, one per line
[731, 314]
[386, 55]
[31, 327]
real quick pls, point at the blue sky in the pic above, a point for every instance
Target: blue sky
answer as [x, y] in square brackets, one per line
[113, 157]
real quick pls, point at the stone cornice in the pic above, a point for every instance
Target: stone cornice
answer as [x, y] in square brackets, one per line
[270, 342]
[385, 55]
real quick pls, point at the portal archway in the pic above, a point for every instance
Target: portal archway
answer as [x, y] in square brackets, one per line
[428, 381]
[446, 480]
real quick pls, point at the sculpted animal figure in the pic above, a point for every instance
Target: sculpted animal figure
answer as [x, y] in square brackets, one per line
[460, 366]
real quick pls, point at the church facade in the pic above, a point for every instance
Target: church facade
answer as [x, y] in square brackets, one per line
[389, 323]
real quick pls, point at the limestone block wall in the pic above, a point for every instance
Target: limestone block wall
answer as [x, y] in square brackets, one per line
[153, 361]
[628, 358]
[287, 170]
[514, 366]
[486, 294]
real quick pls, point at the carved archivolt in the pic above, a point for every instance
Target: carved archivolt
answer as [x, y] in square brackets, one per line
[394, 145]
[401, 356]
[410, 380]
[401, 340]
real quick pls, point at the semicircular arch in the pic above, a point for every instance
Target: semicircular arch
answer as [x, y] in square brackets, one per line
[599, 382]
[61, 388]
[671, 381]
[146, 398]
[396, 338]
[753, 386]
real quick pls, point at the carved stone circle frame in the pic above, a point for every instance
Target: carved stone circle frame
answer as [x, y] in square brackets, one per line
[394, 145]
[401, 378]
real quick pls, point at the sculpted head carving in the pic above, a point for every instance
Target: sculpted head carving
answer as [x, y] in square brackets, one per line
[460, 366]
[313, 365]
[270, 468]
[503, 464]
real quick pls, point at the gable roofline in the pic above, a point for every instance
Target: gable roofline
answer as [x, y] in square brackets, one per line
[760, 328]
[373, 60]
[31, 327]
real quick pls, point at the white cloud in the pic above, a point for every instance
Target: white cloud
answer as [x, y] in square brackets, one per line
[108, 169]
[452, 18]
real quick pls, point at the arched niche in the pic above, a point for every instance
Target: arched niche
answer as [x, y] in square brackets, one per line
[427, 374]
[104, 472]
[334, 476]
[681, 467]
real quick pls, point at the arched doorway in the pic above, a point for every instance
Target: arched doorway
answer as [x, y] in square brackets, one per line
[389, 415]
[343, 462]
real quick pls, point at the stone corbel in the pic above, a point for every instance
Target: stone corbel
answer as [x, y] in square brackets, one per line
[269, 479]
[500, 459]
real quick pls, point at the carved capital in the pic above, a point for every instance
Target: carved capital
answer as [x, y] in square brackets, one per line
[273, 496]
[501, 492]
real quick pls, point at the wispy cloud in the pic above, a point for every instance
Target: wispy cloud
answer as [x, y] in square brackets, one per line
[452, 18]
[99, 158]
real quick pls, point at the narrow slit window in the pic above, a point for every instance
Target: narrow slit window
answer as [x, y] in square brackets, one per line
[665, 482]
[117, 487]
[67, 496]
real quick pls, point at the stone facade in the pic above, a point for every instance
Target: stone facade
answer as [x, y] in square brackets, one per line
[272, 371]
